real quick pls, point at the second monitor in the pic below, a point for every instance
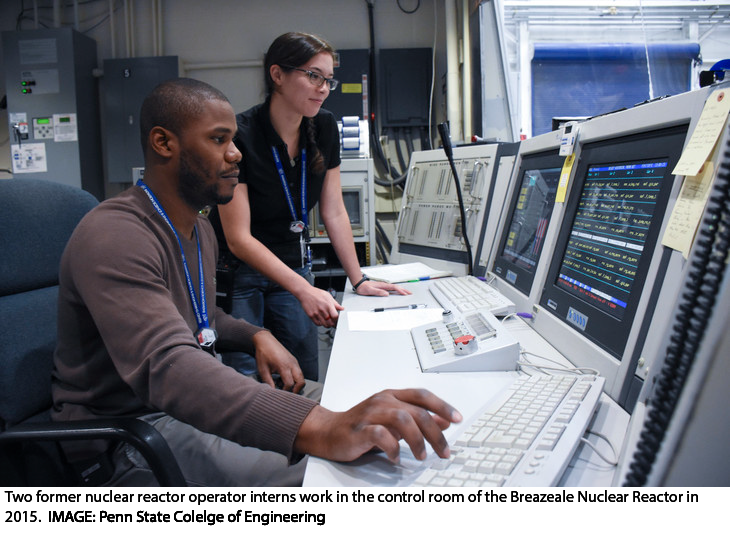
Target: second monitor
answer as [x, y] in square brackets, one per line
[527, 223]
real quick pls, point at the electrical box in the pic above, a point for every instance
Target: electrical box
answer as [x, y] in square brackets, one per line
[405, 87]
[53, 107]
[124, 85]
[350, 98]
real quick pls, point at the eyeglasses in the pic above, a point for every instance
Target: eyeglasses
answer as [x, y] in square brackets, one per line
[315, 78]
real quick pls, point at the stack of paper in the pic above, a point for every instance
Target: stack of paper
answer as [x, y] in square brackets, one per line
[404, 273]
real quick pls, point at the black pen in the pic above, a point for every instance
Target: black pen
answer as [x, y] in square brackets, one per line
[400, 307]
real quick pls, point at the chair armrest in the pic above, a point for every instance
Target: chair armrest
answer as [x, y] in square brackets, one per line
[142, 436]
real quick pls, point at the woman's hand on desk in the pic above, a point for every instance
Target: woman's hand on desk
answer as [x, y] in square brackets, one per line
[379, 288]
[414, 415]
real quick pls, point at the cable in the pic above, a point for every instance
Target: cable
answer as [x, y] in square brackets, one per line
[399, 150]
[392, 177]
[378, 155]
[418, 4]
[560, 367]
[380, 257]
[386, 241]
[507, 317]
[409, 139]
[612, 461]
[646, 50]
[433, 77]
[446, 142]
[104, 16]
[381, 241]
[491, 279]
[707, 266]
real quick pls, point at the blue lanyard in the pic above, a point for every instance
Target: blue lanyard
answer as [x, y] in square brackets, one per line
[285, 185]
[201, 312]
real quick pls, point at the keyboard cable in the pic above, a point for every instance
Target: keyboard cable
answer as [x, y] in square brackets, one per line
[560, 368]
[612, 461]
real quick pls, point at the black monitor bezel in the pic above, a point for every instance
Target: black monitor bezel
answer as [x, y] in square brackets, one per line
[608, 332]
[524, 278]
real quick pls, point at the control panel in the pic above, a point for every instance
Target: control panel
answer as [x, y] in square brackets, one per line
[430, 225]
[476, 342]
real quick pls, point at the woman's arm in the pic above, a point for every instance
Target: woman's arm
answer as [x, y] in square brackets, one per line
[235, 216]
[334, 214]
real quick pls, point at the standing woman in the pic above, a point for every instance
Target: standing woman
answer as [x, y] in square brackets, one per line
[291, 161]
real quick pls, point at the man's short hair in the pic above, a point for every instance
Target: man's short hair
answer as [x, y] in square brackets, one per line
[173, 103]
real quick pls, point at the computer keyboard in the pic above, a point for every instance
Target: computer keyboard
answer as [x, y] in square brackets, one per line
[467, 293]
[524, 437]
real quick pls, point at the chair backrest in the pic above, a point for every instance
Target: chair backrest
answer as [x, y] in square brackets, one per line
[37, 218]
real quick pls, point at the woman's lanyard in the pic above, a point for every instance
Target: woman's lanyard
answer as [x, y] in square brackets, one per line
[297, 226]
[205, 335]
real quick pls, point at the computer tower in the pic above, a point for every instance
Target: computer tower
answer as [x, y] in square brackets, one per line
[405, 84]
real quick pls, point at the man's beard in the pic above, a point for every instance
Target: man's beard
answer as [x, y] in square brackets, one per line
[194, 189]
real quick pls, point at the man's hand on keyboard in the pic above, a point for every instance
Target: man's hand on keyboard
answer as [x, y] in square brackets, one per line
[414, 415]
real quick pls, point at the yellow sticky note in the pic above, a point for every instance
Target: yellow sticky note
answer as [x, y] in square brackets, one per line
[564, 178]
[688, 210]
[705, 135]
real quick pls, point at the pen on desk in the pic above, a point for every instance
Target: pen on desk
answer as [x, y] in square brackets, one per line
[419, 279]
[400, 307]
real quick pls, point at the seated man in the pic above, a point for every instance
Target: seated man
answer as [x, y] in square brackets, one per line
[138, 324]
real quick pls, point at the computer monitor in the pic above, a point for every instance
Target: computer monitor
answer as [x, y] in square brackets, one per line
[354, 198]
[611, 229]
[607, 266]
[353, 205]
[530, 208]
[517, 242]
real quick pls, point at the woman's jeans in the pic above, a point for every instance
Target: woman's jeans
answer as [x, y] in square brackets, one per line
[264, 303]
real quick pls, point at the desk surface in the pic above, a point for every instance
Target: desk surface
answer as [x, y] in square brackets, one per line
[363, 362]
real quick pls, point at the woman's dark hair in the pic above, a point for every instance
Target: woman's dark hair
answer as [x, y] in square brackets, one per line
[294, 49]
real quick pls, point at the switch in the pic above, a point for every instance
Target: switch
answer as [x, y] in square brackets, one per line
[465, 345]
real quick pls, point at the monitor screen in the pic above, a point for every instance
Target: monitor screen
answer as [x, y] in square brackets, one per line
[531, 206]
[610, 232]
[353, 199]
[353, 206]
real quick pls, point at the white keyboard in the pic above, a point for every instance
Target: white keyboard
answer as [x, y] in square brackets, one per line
[524, 437]
[467, 294]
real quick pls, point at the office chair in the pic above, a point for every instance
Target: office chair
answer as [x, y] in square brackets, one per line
[36, 221]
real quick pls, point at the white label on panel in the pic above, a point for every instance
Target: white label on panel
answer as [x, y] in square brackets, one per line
[65, 128]
[29, 158]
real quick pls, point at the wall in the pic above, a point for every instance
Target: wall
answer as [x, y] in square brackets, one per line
[233, 31]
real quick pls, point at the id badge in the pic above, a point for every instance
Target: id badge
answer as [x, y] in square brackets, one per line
[303, 249]
[296, 226]
[206, 338]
